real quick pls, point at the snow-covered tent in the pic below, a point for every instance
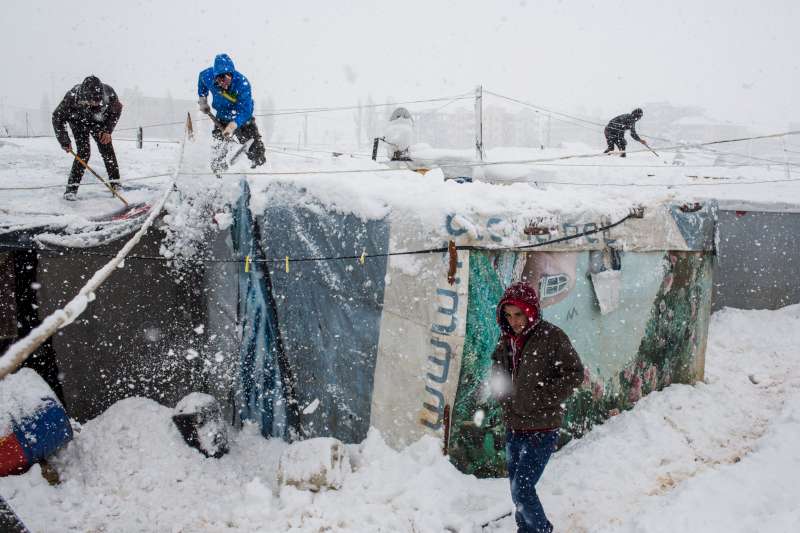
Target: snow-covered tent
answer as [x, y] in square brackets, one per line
[317, 308]
[344, 329]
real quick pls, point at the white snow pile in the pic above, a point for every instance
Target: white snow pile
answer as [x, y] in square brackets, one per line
[33, 176]
[314, 464]
[720, 456]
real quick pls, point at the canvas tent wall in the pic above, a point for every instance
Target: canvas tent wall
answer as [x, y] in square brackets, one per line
[759, 256]
[146, 333]
[387, 342]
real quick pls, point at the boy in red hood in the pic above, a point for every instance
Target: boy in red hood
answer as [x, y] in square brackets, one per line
[534, 370]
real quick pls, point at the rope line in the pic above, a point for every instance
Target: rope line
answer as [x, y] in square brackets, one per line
[549, 161]
[672, 185]
[546, 110]
[359, 257]
[302, 111]
[579, 119]
[509, 162]
[89, 184]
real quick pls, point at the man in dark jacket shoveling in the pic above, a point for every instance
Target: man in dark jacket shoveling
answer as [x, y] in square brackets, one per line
[615, 131]
[534, 370]
[232, 98]
[91, 108]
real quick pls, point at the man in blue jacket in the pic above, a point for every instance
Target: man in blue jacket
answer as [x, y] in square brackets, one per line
[232, 99]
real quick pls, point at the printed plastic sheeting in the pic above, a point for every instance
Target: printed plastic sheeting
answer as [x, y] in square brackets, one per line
[336, 343]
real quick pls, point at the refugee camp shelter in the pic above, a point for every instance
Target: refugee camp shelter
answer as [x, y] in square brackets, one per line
[359, 296]
[364, 329]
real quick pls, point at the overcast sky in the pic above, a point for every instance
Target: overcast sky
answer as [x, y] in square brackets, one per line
[739, 60]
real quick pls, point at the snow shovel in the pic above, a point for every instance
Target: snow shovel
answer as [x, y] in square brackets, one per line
[242, 149]
[96, 175]
[648, 147]
[244, 146]
[215, 120]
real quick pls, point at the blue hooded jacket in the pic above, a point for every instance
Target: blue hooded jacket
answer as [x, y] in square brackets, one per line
[235, 104]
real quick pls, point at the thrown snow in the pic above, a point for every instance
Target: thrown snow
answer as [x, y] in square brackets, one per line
[720, 456]
[311, 407]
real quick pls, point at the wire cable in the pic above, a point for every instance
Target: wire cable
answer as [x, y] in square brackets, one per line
[423, 251]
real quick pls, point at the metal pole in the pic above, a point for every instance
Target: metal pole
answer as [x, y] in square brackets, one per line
[548, 130]
[139, 138]
[540, 125]
[786, 158]
[27, 126]
[479, 122]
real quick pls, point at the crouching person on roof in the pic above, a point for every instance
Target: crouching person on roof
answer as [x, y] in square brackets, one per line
[615, 131]
[534, 370]
[91, 108]
[232, 99]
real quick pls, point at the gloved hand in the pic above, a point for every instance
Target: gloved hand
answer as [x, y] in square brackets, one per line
[229, 129]
[67, 148]
[202, 102]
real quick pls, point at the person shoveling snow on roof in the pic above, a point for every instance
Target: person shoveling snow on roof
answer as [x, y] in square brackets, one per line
[615, 131]
[534, 370]
[91, 108]
[232, 99]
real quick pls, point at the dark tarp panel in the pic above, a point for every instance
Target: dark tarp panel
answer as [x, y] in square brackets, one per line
[329, 312]
[757, 265]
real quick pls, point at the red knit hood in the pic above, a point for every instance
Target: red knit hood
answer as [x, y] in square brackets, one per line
[523, 296]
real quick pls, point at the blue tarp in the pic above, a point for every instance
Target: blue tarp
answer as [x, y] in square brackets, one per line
[310, 335]
[260, 390]
[329, 312]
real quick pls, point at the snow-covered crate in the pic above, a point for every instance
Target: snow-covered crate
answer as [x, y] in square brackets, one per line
[199, 419]
[314, 464]
[33, 423]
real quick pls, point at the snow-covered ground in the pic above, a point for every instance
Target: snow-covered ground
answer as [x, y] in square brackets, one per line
[719, 456]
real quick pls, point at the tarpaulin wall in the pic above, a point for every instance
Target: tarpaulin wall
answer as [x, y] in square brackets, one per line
[345, 344]
[327, 312]
[759, 260]
[654, 336]
[389, 343]
[262, 389]
[137, 336]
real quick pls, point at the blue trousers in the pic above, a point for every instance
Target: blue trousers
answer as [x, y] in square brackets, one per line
[527, 455]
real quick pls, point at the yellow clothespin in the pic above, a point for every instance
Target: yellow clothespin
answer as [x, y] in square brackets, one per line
[287, 264]
[247, 263]
[363, 255]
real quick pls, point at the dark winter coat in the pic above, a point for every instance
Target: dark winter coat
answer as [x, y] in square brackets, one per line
[233, 104]
[76, 109]
[532, 387]
[617, 126]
